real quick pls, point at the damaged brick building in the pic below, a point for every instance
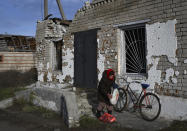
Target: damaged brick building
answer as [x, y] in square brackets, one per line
[142, 40]
[49, 38]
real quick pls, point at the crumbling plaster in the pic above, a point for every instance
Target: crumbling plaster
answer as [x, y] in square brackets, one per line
[100, 61]
[68, 70]
[161, 40]
[48, 32]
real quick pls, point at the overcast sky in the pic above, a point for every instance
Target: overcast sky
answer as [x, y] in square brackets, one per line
[20, 16]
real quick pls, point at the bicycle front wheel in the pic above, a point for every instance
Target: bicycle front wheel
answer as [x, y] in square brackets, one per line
[122, 100]
[150, 107]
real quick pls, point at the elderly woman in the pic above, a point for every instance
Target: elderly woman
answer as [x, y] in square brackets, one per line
[104, 91]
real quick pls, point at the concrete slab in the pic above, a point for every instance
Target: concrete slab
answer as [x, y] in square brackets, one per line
[59, 100]
[134, 121]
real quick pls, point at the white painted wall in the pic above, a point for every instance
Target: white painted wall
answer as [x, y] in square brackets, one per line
[100, 62]
[161, 40]
[69, 69]
[173, 108]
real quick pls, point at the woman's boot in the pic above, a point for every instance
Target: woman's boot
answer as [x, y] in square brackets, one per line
[98, 114]
[110, 112]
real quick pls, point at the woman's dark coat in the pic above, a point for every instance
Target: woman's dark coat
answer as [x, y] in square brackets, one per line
[104, 88]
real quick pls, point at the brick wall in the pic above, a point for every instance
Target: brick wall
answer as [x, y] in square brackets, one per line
[107, 14]
[22, 61]
[48, 32]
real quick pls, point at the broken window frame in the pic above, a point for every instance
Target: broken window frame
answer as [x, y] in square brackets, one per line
[124, 46]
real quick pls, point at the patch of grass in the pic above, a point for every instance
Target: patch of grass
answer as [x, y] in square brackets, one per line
[87, 122]
[93, 124]
[13, 78]
[8, 92]
[46, 113]
[20, 102]
[28, 107]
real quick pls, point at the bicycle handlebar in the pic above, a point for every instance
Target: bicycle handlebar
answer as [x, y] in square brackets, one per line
[133, 81]
[136, 82]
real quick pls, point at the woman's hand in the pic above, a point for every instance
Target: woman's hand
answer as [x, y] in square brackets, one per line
[109, 96]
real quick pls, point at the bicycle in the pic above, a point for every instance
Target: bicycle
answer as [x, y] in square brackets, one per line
[148, 103]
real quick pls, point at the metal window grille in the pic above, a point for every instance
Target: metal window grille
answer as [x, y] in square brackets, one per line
[135, 49]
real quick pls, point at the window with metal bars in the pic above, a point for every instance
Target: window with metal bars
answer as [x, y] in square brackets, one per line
[135, 49]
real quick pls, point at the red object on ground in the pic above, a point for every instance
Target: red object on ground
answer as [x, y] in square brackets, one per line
[107, 118]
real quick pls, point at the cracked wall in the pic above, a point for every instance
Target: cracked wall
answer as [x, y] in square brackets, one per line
[166, 39]
[49, 33]
[166, 43]
[68, 59]
[161, 41]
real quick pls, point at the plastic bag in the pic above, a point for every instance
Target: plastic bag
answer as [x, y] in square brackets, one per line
[115, 95]
[107, 118]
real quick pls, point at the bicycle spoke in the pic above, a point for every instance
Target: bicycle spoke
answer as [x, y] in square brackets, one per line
[151, 108]
[122, 100]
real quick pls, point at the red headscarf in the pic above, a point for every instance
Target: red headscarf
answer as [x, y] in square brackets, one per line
[110, 72]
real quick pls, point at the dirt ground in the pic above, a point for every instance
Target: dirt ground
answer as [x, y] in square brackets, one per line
[25, 117]
[20, 121]
[22, 118]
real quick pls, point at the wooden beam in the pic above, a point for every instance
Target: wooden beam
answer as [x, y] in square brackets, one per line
[45, 8]
[61, 9]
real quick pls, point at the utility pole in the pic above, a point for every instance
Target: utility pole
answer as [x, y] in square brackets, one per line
[61, 10]
[59, 6]
[45, 8]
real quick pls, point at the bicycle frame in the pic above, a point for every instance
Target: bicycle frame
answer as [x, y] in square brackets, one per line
[144, 101]
[132, 94]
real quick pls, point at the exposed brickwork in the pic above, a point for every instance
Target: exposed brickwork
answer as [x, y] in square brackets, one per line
[48, 32]
[105, 14]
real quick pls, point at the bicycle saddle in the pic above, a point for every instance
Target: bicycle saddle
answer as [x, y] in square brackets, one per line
[145, 86]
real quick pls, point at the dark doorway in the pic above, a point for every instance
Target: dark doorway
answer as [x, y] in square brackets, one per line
[85, 61]
[58, 55]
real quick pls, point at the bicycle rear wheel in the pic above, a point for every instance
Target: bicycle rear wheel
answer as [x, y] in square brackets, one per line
[150, 107]
[122, 100]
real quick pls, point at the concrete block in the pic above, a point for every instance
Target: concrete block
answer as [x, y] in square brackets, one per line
[70, 105]
[6, 103]
[25, 94]
[59, 100]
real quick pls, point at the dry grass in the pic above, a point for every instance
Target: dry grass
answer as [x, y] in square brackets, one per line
[8, 92]
[13, 78]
